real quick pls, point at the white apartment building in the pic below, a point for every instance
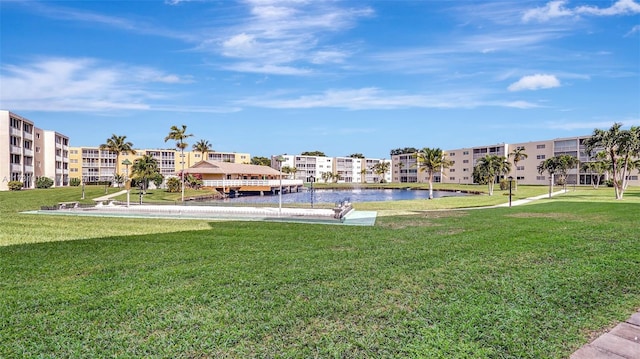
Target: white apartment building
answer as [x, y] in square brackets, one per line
[28, 152]
[348, 169]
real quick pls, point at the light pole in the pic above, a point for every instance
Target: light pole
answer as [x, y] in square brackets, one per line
[280, 159]
[510, 178]
[127, 185]
[82, 187]
[311, 180]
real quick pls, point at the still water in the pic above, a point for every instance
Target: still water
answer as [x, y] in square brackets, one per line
[352, 195]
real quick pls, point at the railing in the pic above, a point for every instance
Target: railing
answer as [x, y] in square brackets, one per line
[251, 183]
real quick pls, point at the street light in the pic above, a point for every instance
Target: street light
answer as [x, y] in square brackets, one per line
[127, 185]
[510, 178]
[280, 159]
[311, 180]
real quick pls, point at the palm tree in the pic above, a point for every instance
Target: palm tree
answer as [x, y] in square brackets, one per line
[620, 146]
[381, 168]
[489, 168]
[432, 160]
[179, 135]
[202, 146]
[596, 169]
[518, 155]
[144, 169]
[400, 167]
[119, 145]
[558, 165]
[363, 175]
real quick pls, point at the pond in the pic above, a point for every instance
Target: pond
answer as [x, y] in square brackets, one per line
[351, 195]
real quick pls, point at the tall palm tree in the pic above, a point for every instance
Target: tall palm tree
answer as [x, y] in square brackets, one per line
[518, 155]
[489, 168]
[119, 145]
[558, 165]
[145, 168]
[204, 147]
[381, 169]
[432, 160]
[179, 135]
[620, 146]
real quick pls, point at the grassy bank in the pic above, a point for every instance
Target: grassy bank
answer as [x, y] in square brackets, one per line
[535, 281]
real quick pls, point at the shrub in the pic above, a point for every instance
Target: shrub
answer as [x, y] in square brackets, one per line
[75, 182]
[15, 185]
[173, 184]
[504, 184]
[44, 182]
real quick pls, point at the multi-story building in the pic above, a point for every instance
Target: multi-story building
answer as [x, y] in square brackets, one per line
[28, 152]
[347, 169]
[465, 159]
[94, 165]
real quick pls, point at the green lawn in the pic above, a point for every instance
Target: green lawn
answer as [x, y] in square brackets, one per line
[535, 281]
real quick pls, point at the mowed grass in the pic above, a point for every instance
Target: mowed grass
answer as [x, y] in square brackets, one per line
[536, 281]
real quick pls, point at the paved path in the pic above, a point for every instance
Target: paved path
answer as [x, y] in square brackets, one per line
[622, 342]
[530, 199]
[109, 196]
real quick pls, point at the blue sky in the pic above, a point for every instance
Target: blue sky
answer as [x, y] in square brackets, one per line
[343, 77]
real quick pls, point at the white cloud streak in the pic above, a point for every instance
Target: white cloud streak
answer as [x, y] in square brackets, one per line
[535, 82]
[63, 84]
[372, 98]
[557, 9]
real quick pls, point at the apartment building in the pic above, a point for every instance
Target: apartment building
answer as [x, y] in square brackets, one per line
[348, 169]
[526, 171]
[94, 165]
[28, 152]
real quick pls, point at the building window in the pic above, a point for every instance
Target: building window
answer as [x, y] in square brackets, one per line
[452, 170]
[540, 147]
[452, 178]
[540, 178]
[541, 157]
[520, 168]
[452, 154]
[465, 161]
[465, 152]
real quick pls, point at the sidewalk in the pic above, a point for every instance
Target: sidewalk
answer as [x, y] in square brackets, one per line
[621, 342]
[109, 196]
[530, 199]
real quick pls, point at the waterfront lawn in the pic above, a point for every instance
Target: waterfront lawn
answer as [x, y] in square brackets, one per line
[536, 281]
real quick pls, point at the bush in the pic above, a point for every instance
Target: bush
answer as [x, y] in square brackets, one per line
[75, 182]
[44, 182]
[504, 184]
[173, 185]
[15, 185]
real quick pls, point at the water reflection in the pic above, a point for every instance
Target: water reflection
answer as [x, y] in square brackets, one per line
[352, 195]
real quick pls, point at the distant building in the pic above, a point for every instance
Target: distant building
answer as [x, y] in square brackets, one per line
[94, 165]
[28, 152]
[347, 169]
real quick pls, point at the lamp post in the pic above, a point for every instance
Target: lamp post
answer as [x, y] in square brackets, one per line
[280, 159]
[510, 178]
[127, 185]
[311, 180]
[82, 187]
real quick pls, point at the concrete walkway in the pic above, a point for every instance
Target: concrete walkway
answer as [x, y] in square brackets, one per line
[622, 342]
[109, 196]
[530, 199]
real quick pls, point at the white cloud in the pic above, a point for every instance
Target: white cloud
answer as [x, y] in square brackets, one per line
[552, 10]
[287, 34]
[535, 82]
[62, 84]
[555, 9]
[633, 30]
[621, 7]
[371, 98]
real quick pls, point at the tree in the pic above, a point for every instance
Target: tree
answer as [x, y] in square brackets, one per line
[179, 135]
[557, 165]
[326, 176]
[289, 171]
[260, 161]
[403, 151]
[432, 160]
[596, 169]
[488, 170]
[356, 155]
[518, 155]
[144, 169]
[380, 169]
[363, 175]
[120, 146]
[314, 153]
[202, 146]
[620, 146]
